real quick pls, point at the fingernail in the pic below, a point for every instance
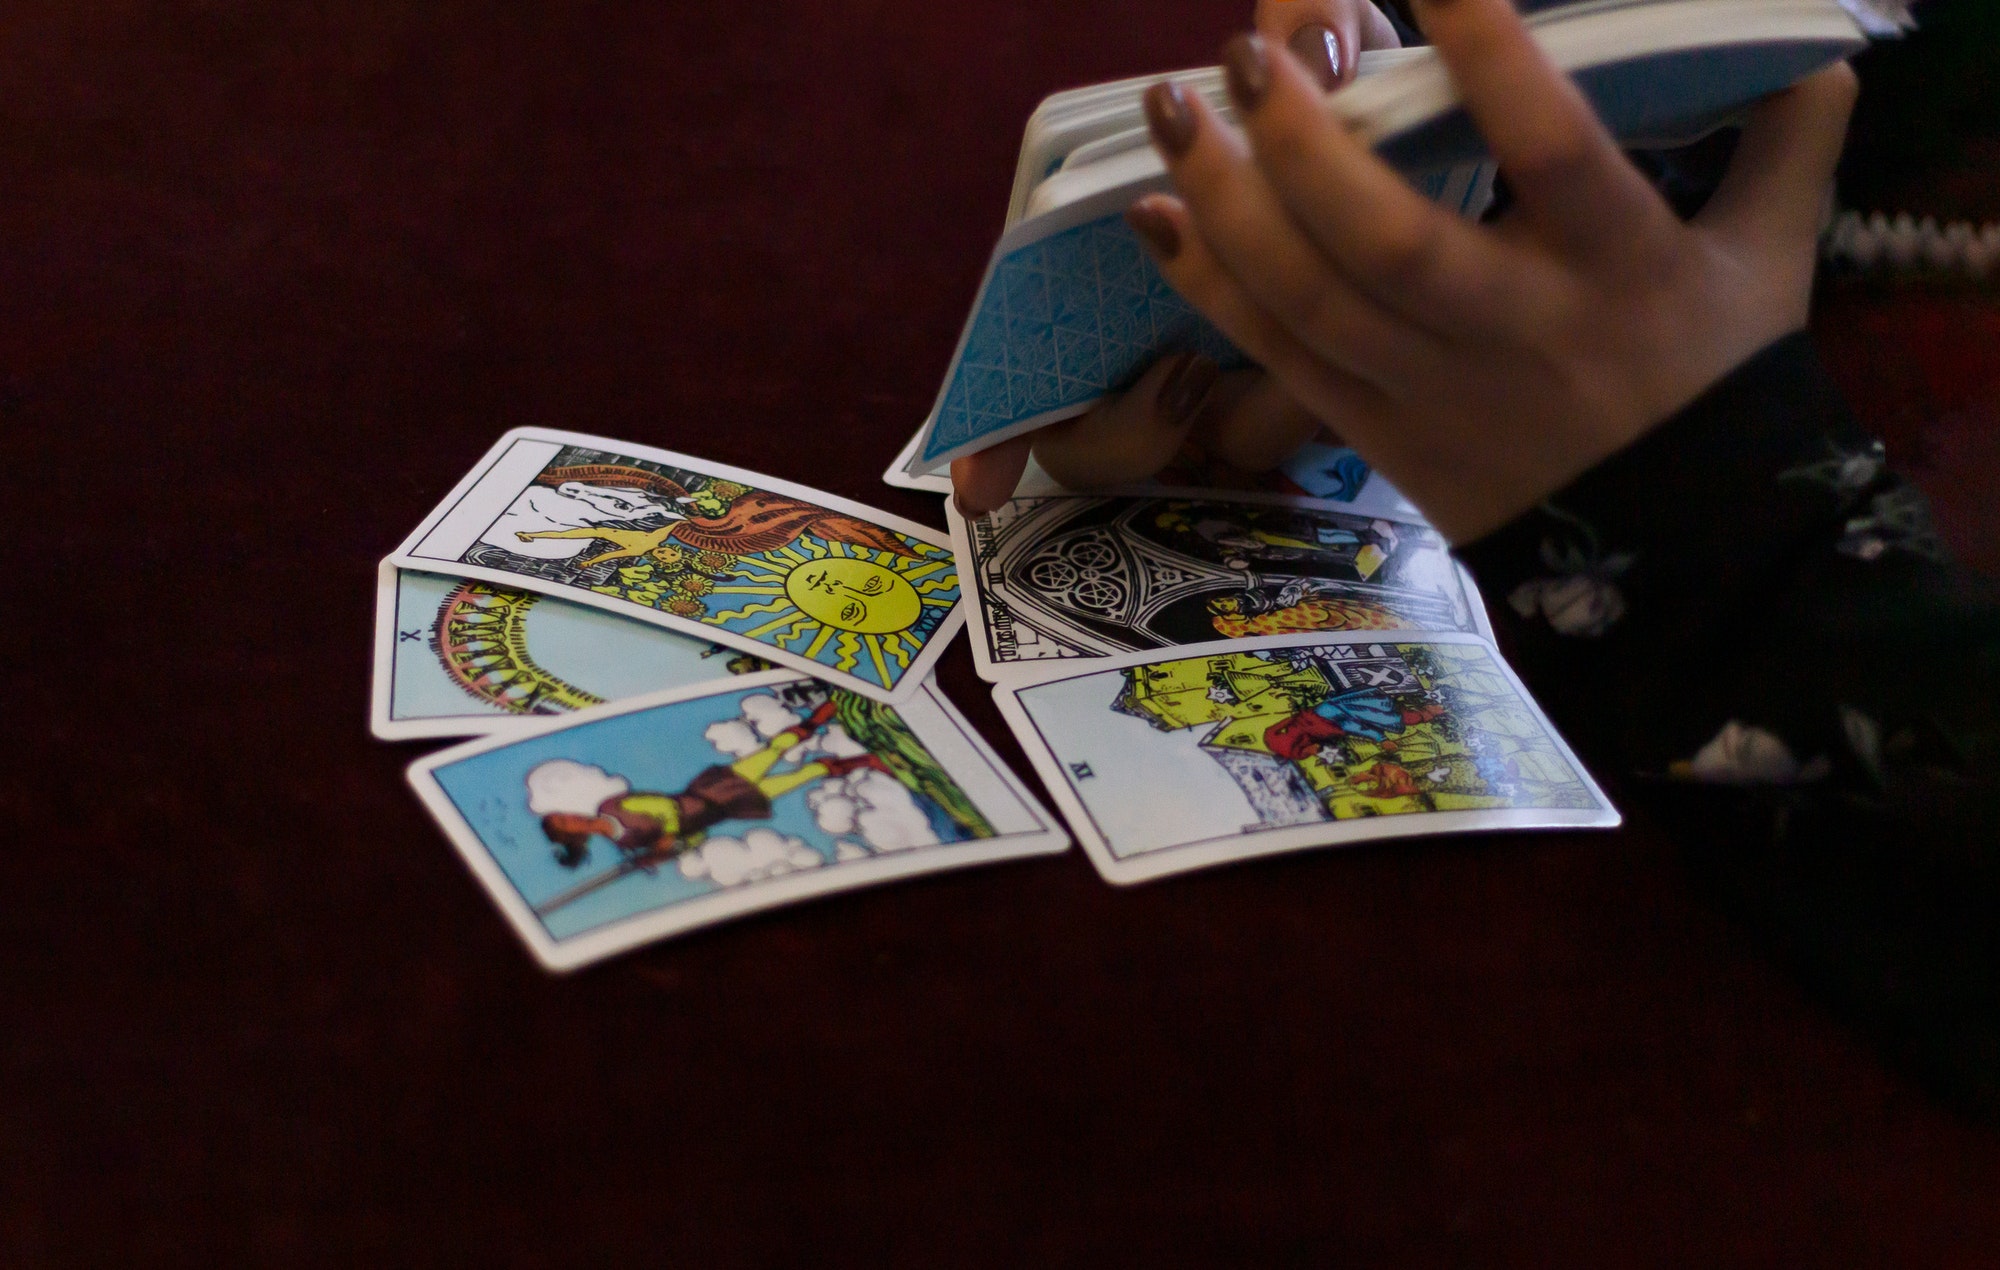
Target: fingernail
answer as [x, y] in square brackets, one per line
[1156, 229]
[1244, 67]
[965, 509]
[1186, 387]
[1168, 115]
[1318, 48]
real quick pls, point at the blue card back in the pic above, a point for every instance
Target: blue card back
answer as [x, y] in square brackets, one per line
[1061, 322]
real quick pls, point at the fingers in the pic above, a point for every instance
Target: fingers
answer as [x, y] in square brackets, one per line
[1129, 437]
[1566, 170]
[1252, 424]
[1242, 222]
[1405, 253]
[1377, 32]
[1201, 278]
[981, 482]
[1774, 193]
[1324, 34]
[1319, 50]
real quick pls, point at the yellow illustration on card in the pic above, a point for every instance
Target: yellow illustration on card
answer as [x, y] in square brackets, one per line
[1351, 730]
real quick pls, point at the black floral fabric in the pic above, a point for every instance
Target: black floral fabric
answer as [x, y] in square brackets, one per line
[1746, 625]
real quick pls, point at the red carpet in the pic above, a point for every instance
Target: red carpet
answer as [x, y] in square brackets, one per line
[272, 275]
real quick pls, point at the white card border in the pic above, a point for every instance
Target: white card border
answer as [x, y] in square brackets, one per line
[1023, 672]
[644, 928]
[382, 689]
[907, 686]
[1190, 856]
[382, 723]
[899, 476]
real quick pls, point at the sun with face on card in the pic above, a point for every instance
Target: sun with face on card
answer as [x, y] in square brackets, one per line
[869, 609]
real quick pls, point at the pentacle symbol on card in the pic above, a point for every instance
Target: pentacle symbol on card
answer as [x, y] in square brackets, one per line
[1070, 576]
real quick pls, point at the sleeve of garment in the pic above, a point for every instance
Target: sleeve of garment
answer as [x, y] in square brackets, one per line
[1747, 626]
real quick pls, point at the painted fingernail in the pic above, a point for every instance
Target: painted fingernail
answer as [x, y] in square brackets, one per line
[1186, 387]
[1319, 49]
[1168, 115]
[1244, 67]
[1156, 229]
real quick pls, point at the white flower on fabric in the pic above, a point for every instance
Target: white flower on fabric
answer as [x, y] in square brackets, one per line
[1580, 598]
[1896, 520]
[1842, 471]
[1744, 755]
[1582, 605]
[1864, 738]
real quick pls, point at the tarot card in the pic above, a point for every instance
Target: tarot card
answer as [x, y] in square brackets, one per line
[1333, 473]
[899, 475]
[1033, 479]
[1072, 308]
[1246, 749]
[1339, 475]
[680, 809]
[1085, 576]
[854, 596]
[455, 657]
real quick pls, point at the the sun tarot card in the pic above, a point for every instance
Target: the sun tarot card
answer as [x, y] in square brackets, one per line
[855, 596]
[1238, 750]
[646, 818]
[1083, 576]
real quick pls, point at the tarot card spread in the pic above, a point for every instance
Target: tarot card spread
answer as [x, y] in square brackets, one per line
[1249, 748]
[1080, 576]
[688, 807]
[465, 658]
[859, 598]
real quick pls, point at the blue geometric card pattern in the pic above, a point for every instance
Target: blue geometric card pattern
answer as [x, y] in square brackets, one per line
[1063, 321]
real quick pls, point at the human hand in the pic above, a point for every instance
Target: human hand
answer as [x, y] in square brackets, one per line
[1481, 368]
[1326, 36]
[1241, 418]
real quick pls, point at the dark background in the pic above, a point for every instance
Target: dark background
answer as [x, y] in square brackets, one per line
[273, 275]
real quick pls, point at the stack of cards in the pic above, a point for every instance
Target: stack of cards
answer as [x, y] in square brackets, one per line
[701, 692]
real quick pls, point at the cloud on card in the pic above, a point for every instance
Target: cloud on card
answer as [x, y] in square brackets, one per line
[873, 807]
[565, 785]
[763, 717]
[756, 856]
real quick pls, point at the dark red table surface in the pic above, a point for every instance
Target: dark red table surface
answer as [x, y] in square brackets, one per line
[271, 277]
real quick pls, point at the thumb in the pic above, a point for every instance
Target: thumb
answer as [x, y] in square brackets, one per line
[1129, 437]
[983, 480]
[1774, 193]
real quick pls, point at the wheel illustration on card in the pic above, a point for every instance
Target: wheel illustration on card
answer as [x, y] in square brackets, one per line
[481, 637]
